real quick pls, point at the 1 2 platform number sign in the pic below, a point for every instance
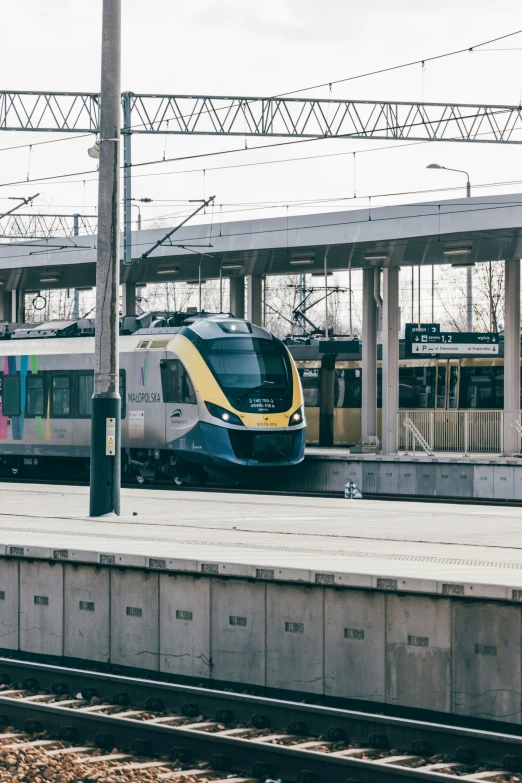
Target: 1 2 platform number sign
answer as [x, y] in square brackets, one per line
[427, 339]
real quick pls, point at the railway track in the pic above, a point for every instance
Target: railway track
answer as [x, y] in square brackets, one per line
[173, 732]
[278, 492]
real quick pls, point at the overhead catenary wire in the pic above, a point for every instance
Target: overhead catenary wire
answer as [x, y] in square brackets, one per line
[388, 69]
[47, 141]
[421, 123]
[65, 176]
[329, 84]
[318, 203]
[507, 234]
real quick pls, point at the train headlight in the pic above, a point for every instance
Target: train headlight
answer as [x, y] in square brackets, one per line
[296, 418]
[223, 414]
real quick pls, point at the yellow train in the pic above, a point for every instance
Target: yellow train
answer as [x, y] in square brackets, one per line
[472, 384]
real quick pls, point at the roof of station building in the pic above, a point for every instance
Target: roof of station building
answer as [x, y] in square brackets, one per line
[487, 228]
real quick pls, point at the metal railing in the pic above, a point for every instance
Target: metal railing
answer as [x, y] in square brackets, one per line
[466, 432]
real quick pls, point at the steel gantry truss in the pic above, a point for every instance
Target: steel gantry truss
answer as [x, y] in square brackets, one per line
[45, 226]
[312, 118]
[49, 111]
[251, 116]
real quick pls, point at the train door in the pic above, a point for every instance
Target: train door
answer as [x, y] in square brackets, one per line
[448, 380]
[447, 434]
[310, 375]
[347, 410]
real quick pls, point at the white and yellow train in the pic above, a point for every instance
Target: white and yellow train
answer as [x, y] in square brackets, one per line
[199, 394]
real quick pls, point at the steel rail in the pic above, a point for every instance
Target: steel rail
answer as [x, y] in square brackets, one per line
[60, 757]
[377, 733]
[291, 762]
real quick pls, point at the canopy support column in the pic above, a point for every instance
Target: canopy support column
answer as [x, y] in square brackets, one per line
[390, 359]
[6, 306]
[369, 439]
[512, 358]
[254, 290]
[237, 296]
[128, 298]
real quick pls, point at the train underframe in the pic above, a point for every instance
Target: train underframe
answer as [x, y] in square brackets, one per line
[140, 465]
[143, 466]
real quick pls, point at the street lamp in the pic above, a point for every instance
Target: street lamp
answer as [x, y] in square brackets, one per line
[460, 171]
[469, 271]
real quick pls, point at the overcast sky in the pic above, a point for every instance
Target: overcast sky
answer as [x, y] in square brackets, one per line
[247, 48]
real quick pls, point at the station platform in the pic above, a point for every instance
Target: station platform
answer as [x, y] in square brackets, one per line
[410, 604]
[444, 475]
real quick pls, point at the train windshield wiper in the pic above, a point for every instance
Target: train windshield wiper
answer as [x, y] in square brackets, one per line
[259, 386]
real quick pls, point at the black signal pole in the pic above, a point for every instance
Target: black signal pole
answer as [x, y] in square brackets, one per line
[105, 425]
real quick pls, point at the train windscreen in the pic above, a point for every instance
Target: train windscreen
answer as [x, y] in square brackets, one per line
[248, 364]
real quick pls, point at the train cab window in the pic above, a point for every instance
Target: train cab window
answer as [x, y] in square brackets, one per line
[311, 384]
[244, 364]
[453, 386]
[35, 404]
[416, 387]
[85, 390]
[441, 386]
[481, 387]
[11, 395]
[348, 388]
[61, 396]
[177, 386]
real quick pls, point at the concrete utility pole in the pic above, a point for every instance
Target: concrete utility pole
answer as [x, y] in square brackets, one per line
[76, 231]
[105, 426]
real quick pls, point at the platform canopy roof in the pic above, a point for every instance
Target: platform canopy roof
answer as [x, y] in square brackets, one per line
[458, 231]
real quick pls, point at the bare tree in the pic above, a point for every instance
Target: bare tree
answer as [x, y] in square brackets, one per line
[49, 305]
[282, 296]
[488, 297]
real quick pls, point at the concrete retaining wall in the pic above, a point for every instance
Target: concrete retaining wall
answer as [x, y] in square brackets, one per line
[424, 477]
[439, 651]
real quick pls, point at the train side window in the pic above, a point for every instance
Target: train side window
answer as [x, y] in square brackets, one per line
[35, 404]
[61, 396]
[311, 385]
[11, 395]
[348, 388]
[441, 386]
[453, 386]
[482, 387]
[177, 385]
[85, 390]
[416, 387]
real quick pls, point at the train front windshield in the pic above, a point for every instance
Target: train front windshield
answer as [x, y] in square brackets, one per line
[243, 364]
